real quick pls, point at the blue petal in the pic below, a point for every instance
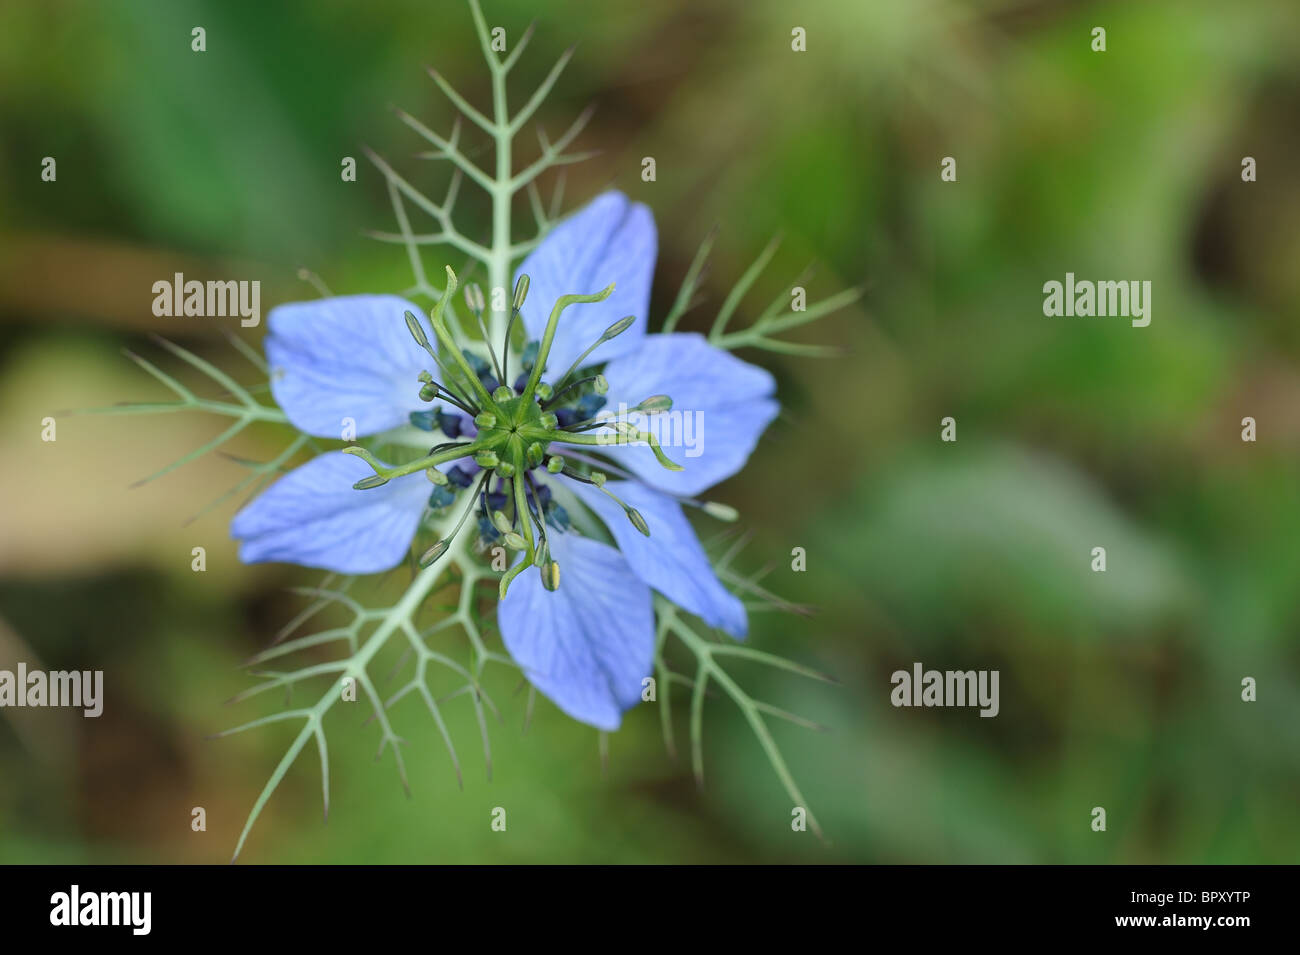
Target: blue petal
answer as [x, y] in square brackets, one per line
[671, 559]
[609, 240]
[721, 405]
[314, 518]
[588, 645]
[349, 357]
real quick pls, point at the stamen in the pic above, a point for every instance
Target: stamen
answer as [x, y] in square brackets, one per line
[440, 548]
[569, 387]
[464, 404]
[449, 344]
[417, 332]
[543, 556]
[722, 512]
[632, 513]
[521, 509]
[433, 553]
[521, 293]
[618, 328]
[474, 299]
[655, 404]
[543, 350]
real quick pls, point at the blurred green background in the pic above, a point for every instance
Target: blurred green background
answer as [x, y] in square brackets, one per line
[1119, 690]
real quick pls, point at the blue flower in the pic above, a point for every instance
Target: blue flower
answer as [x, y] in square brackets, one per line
[587, 643]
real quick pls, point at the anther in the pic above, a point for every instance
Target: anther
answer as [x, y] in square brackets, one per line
[618, 328]
[637, 520]
[722, 512]
[417, 331]
[474, 298]
[433, 553]
[655, 404]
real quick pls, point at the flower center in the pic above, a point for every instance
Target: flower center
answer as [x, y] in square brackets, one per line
[516, 428]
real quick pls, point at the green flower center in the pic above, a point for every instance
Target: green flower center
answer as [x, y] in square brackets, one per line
[515, 430]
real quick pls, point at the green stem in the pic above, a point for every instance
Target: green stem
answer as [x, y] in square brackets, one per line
[502, 191]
